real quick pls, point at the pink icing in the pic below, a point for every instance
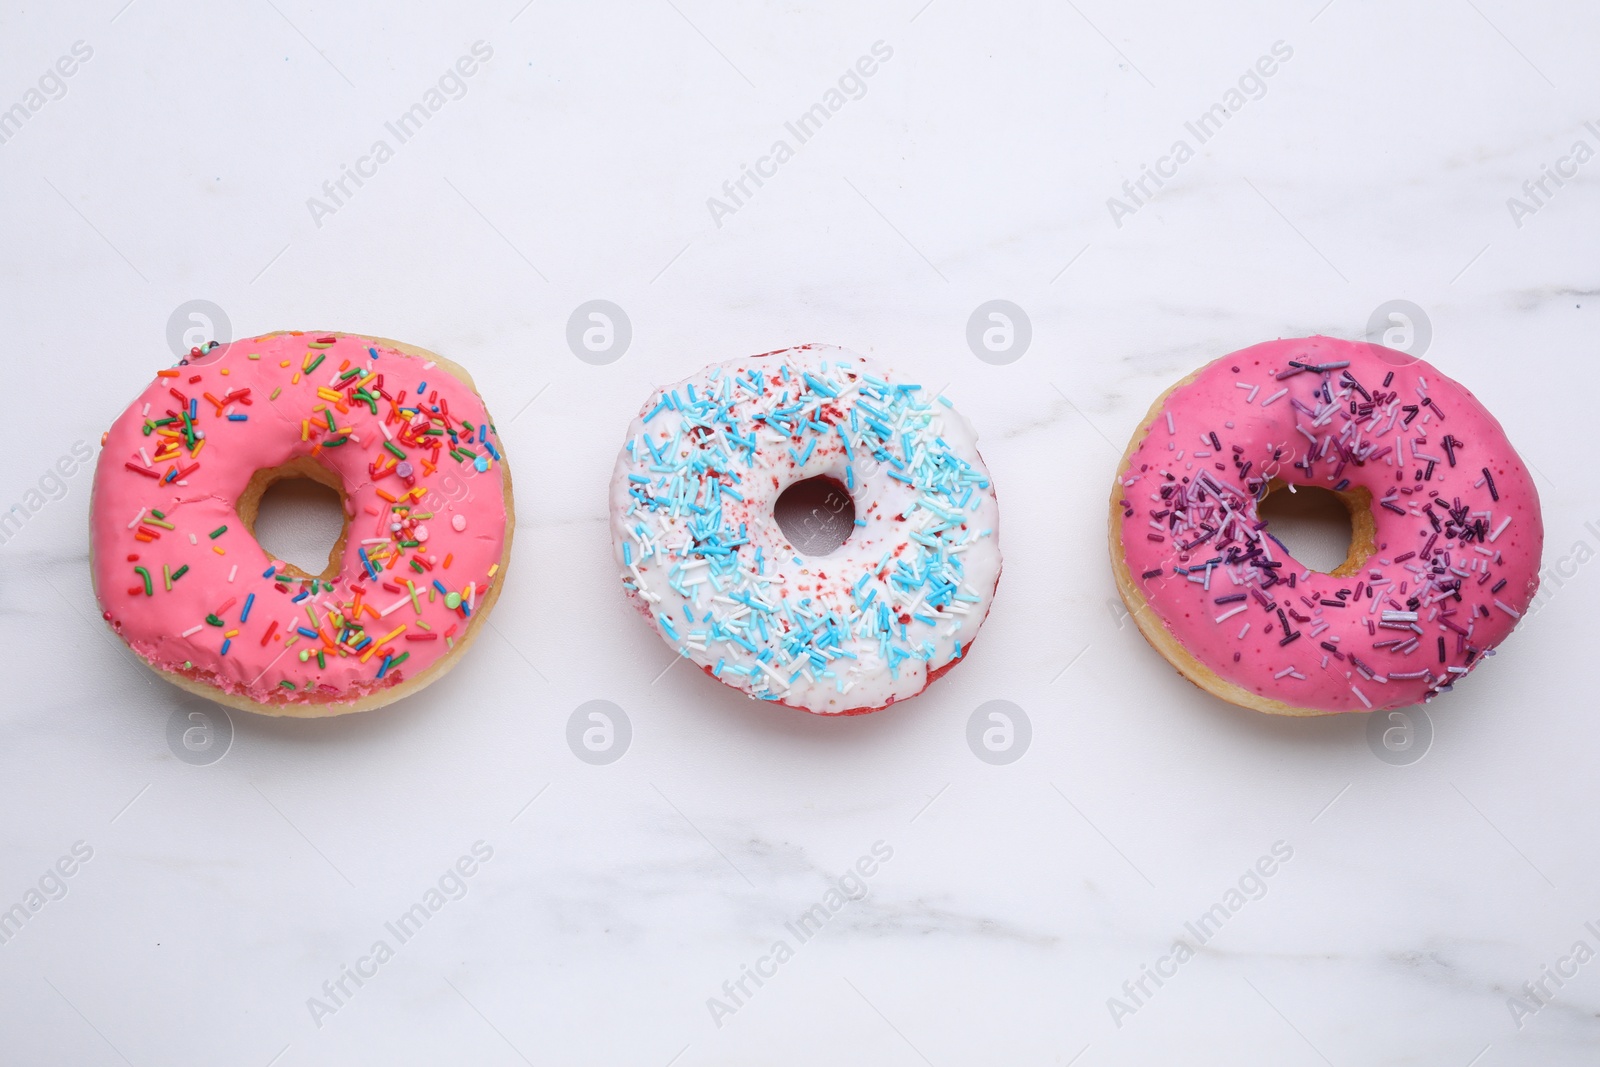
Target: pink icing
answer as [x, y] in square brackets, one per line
[1416, 440]
[195, 488]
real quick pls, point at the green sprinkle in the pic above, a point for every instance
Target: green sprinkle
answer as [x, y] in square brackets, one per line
[148, 589]
[275, 393]
[321, 661]
[313, 364]
[218, 532]
[401, 658]
[287, 684]
[395, 449]
[180, 572]
[213, 620]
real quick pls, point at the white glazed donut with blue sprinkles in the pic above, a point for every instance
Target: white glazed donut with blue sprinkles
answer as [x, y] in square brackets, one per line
[870, 623]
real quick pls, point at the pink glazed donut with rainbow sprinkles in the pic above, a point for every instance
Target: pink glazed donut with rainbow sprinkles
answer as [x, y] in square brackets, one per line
[398, 432]
[701, 555]
[1447, 532]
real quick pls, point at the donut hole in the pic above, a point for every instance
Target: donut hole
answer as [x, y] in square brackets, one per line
[816, 515]
[1329, 532]
[296, 513]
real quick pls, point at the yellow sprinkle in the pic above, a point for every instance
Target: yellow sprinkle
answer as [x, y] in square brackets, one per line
[253, 355]
[219, 550]
[390, 636]
[231, 633]
[294, 379]
[224, 370]
[492, 568]
[283, 363]
[305, 430]
[328, 394]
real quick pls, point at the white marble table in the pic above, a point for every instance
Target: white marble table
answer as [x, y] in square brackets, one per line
[1021, 904]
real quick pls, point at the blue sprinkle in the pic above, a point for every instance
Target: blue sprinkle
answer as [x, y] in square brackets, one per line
[244, 613]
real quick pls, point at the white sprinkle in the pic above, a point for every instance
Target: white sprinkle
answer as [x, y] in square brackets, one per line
[233, 571]
[402, 602]
[1243, 632]
[191, 630]
[1170, 428]
[1251, 399]
[1275, 396]
[1357, 691]
[193, 540]
[1502, 606]
[1286, 670]
[1498, 530]
[1232, 613]
[136, 519]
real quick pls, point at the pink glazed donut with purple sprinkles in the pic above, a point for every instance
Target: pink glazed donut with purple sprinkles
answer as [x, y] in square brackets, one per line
[1446, 529]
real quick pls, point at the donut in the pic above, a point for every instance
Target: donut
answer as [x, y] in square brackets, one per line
[404, 439]
[704, 560]
[1446, 529]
